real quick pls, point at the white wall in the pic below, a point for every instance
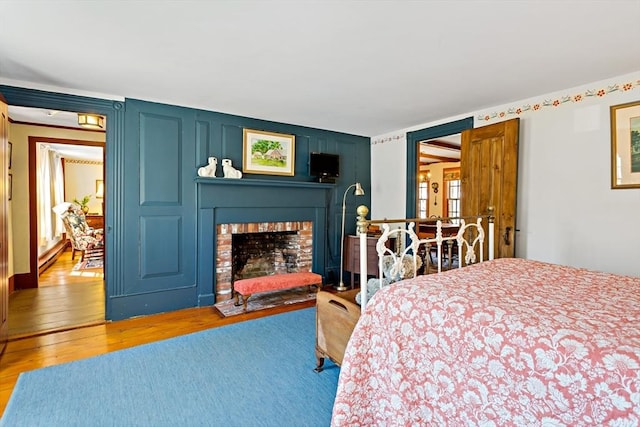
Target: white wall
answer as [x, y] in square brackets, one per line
[567, 212]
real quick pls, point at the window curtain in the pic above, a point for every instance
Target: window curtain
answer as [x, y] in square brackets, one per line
[57, 188]
[50, 192]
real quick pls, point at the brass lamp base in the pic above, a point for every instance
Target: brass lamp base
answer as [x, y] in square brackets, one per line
[341, 287]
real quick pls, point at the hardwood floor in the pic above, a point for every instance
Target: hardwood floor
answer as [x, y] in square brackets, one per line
[54, 348]
[64, 299]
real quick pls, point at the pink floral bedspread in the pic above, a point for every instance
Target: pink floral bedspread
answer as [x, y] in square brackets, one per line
[504, 342]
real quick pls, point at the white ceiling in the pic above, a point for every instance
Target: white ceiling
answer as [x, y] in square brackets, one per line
[361, 67]
[444, 149]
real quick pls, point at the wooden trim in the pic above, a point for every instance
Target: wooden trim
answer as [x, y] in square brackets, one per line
[23, 281]
[446, 170]
[445, 199]
[442, 144]
[12, 285]
[430, 158]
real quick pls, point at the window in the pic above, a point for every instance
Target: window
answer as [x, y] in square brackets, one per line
[423, 198]
[453, 199]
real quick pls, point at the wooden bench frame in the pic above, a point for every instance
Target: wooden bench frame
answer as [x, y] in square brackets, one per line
[248, 287]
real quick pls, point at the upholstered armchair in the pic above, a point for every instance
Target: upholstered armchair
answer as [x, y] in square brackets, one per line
[89, 241]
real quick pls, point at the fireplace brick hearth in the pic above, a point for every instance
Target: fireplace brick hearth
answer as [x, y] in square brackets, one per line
[273, 247]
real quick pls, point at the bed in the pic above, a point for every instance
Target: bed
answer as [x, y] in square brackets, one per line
[501, 342]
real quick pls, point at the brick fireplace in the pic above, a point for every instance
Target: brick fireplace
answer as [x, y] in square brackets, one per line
[245, 250]
[234, 206]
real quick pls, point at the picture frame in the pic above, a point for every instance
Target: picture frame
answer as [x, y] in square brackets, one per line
[10, 187]
[99, 188]
[268, 153]
[9, 154]
[625, 145]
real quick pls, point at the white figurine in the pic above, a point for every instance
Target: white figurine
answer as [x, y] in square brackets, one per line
[230, 171]
[210, 169]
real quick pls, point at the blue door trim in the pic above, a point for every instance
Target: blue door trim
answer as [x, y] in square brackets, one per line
[114, 113]
[413, 138]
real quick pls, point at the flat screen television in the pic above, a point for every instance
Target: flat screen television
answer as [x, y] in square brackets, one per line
[324, 166]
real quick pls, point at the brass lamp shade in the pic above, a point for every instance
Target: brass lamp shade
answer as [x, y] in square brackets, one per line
[91, 121]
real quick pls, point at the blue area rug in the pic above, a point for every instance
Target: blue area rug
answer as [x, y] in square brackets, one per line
[254, 373]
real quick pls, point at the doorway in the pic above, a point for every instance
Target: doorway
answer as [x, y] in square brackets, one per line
[488, 174]
[59, 294]
[81, 181]
[413, 141]
[438, 177]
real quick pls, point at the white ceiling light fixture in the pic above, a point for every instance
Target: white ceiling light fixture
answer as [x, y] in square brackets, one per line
[91, 121]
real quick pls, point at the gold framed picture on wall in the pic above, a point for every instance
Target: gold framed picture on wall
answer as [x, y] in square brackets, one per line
[625, 145]
[99, 188]
[268, 153]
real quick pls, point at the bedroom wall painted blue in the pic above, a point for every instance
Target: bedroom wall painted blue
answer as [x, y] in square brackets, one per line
[158, 211]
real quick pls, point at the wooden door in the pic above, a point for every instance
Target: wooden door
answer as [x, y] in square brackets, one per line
[4, 219]
[489, 170]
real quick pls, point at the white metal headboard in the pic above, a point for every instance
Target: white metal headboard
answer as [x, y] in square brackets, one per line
[470, 236]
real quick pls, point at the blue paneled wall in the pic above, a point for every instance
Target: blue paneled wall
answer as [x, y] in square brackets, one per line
[160, 215]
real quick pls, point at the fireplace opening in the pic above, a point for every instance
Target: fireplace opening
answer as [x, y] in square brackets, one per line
[246, 250]
[263, 254]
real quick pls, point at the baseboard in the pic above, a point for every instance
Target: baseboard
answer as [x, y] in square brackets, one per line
[12, 285]
[49, 258]
[25, 281]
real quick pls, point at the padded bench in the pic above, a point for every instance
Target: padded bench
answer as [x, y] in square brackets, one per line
[248, 287]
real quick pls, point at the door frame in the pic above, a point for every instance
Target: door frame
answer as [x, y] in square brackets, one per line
[413, 141]
[114, 111]
[33, 280]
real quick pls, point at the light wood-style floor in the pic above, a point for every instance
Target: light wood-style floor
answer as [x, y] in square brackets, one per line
[64, 299]
[54, 348]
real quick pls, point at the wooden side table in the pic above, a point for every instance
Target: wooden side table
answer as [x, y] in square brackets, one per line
[95, 221]
[352, 256]
[336, 316]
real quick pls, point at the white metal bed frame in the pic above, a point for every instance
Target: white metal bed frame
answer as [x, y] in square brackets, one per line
[470, 236]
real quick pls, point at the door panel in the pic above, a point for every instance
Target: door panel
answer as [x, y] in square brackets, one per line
[159, 266]
[4, 219]
[489, 170]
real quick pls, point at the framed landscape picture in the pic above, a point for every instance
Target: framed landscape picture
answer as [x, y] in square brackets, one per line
[268, 153]
[625, 145]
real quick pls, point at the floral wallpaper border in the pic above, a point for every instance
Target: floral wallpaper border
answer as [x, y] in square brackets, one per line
[557, 102]
[83, 162]
[553, 102]
[388, 139]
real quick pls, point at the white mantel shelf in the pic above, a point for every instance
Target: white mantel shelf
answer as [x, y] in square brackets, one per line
[262, 183]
